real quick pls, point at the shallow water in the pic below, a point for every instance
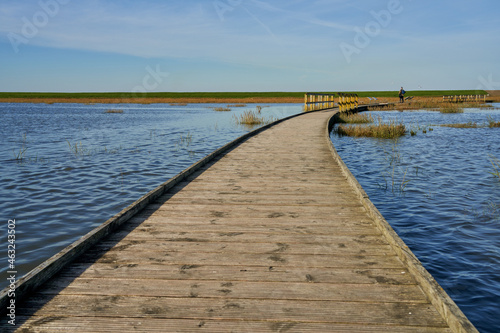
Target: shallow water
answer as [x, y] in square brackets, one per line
[436, 191]
[83, 165]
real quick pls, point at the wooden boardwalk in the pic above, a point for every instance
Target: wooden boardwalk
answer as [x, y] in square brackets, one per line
[270, 237]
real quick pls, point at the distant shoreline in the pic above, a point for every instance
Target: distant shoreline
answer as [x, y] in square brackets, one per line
[215, 97]
[275, 100]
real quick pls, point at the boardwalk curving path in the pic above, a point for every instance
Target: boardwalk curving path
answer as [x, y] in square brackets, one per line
[269, 237]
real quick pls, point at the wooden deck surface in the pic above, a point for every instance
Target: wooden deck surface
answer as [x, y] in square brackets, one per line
[268, 238]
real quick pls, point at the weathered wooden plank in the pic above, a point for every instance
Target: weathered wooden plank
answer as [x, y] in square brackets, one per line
[239, 273]
[254, 238]
[331, 249]
[303, 188]
[238, 290]
[337, 230]
[202, 198]
[275, 218]
[192, 222]
[406, 314]
[39, 324]
[239, 259]
[269, 176]
[243, 211]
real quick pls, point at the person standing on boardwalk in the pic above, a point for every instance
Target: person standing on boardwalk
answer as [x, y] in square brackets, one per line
[402, 95]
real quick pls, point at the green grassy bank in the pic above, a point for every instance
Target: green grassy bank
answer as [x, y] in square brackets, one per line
[225, 95]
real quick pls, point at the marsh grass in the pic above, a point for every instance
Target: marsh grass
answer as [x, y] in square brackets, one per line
[415, 128]
[236, 105]
[152, 134]
[495, 162]
[186, 139]
[178, 104]
[487, 212]
[184, 142]
[251, 118]
[492, 123]
[395, 175]
[433, 104]
[78, 149]
[114, 111]
[354, 118]
[428, 104]
[19, 155]
[221, 109]
[381, 130]
[451, 108]
[470, 124]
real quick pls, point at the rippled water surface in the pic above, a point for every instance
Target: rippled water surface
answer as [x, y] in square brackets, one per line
[77, 165]
[437, 191]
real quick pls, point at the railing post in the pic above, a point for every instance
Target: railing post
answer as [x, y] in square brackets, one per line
[346, 102]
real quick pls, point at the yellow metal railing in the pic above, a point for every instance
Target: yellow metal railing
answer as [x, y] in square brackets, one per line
[348, 102]
[314, 102]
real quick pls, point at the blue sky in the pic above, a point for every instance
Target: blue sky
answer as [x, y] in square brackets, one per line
[248, 45]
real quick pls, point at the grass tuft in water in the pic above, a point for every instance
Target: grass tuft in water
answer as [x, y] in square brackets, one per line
[79, 150]
[19, 155]
[251, 118]
[222, 109]
[496, 166]
[390, 130]
[470, 124]
[186, 140]
[354, 118]
[492, 123]
[75, 149]
[451, 108]
[114, 111]
[394, 175]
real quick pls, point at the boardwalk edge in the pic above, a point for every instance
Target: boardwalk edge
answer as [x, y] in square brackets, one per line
[448, 309]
